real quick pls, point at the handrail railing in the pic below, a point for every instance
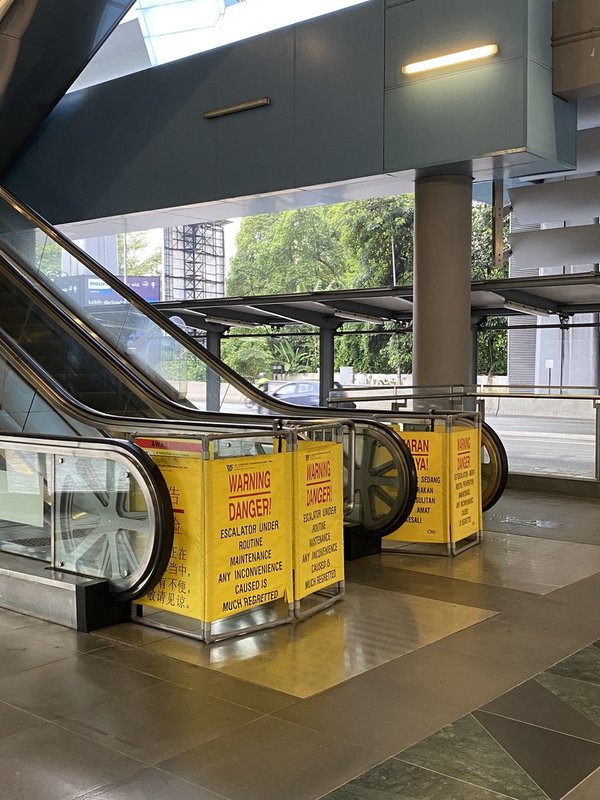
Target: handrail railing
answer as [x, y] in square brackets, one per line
[370, 427]
[550, 406]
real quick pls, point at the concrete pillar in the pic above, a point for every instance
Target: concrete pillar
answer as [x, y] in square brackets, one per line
[442, 281]
[213, 381]
[326, 362]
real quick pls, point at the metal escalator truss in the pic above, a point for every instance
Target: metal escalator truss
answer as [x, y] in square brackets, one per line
[494, 467]
[385, 483]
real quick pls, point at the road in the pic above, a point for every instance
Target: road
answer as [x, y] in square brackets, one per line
[548, 445]
[537, 445]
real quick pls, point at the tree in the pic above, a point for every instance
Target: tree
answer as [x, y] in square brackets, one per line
[48, 256]
[368, 243]
[492, 345]
[482, 257]
[294, 353]
[377, 236]
[248, 357]
[287, 252]
[140, 259]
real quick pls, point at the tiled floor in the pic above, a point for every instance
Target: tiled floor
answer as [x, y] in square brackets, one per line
[471, 679]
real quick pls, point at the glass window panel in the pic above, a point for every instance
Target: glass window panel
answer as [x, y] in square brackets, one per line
[24, 504]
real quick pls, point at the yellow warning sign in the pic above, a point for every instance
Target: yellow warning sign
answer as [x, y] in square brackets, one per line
[181, 588]
[248, 534]
[428, 521]
[448, 504]
[319, 512]
[465, 478]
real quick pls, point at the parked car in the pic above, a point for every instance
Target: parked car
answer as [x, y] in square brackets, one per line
[306, 393]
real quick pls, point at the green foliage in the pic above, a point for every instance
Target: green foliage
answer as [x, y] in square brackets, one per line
[288, 252]
[492, 350]
[492, 345]
[294, 353]
[140, 259]
[482, 252]
[352, 245]
[48, 256]
[248, 357]
[377, 236]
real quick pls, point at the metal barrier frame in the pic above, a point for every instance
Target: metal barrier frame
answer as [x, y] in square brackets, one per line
[452, 547]
[328, 596]
[206, 631]
[230, 627]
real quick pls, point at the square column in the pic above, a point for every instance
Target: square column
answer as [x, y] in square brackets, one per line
[442, 281]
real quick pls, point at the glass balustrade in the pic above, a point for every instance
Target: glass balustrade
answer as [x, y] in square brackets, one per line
[81, 510]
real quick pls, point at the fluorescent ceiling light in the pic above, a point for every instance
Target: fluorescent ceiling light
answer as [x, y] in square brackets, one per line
[451, 58]
[351, 316]
[524, 308]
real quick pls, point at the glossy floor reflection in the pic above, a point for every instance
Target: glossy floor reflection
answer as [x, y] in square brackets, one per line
[368, 628]
[476, 678]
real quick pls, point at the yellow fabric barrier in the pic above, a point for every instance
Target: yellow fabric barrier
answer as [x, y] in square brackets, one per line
[318, 516]
[232, 545]
[448, 504]
[182, 587]
[248, 534]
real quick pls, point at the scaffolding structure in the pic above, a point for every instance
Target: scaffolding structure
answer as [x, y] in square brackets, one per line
[194, 261]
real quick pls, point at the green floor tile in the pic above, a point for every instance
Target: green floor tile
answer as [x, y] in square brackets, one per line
[397, 780]
[466, 751]
[582, 696]
[583, 666]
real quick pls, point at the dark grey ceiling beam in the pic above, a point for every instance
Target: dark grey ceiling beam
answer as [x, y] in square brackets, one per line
[302, 316]
[530, 299]
[368, 313]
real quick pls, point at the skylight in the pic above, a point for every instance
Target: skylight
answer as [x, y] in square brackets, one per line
[174, 29]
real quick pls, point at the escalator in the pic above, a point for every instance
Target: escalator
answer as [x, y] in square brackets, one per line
[139, 335]
[104, 368]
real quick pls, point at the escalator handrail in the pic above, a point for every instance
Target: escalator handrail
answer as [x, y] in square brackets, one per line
[149, 479]
[89, 339]
[55, 394]
[142, 305]
[149, 310]
[157, 317]
[245, 387]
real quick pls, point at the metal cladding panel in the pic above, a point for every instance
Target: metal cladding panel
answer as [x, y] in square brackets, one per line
[428, 28]
[140, 142]
[557, 246]
[557, 200]
[339, 97]
[254, 149]
[495, 106]
[43, 47]
[457, 113]
[136, 143]
[437, 121]
[572, 17]
[576, 39]
[551, 121]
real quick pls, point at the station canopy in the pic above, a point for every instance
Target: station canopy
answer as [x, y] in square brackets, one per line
[562, 296]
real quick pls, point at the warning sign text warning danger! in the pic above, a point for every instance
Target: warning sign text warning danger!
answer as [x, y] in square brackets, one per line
[248, 536]
[318, 536]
